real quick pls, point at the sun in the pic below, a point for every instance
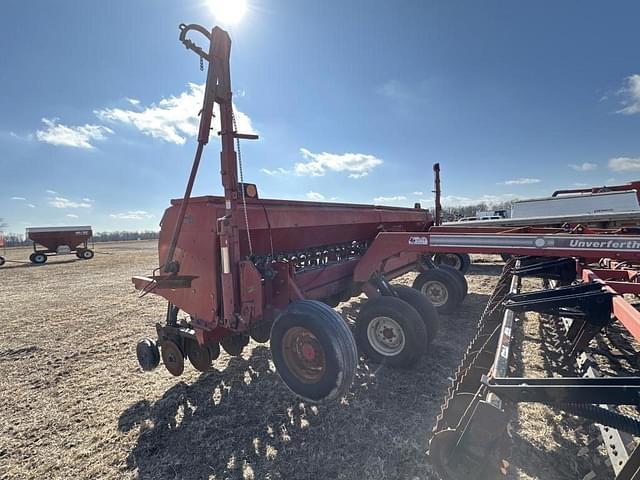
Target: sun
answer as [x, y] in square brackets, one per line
[228, 12]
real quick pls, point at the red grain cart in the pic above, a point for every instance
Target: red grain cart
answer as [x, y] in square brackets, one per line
[59, 241]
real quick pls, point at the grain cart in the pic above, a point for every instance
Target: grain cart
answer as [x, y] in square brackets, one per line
[59, 241]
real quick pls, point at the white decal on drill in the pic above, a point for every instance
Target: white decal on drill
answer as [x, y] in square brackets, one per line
[418, 240]
[225, 259]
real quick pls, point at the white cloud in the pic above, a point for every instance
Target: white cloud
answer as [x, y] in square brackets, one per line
[133, 101]
[72, 215]
[624, 164]
[87, 200]
[51, 192]
[81, 136]
[277, 171]
[132, 215]
[60, 202]
[584, 167]
[631, 92]
[395, 198]
[520, 181]
[315, 196]
[20, 199]
[31, 205]
[357, 164]
[418, 194]
[172, 119]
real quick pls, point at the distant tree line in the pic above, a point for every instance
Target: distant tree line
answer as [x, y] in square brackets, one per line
[17, 239]
[451, 213]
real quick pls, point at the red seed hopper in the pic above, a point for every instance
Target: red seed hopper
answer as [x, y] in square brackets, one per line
[59, 241]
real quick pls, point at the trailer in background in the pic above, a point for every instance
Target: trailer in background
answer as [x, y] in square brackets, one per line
[60, 241]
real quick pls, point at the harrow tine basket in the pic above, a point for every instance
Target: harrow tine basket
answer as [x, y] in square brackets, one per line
[470, 439]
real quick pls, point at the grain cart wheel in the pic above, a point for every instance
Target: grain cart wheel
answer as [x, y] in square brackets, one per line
[441, 288]
[87, 254]
[2, 260]
[459, 261]
[173, 357]
[314, 351]
[234, 344]
[148, 354]
[423, 306]
[389, 330]
[38, 258]
[459, 276]
[201, 356]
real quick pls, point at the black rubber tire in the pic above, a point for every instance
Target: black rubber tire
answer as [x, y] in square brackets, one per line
[79, 254]
[38, 258]
[459, 276]
[148, 354]
[406, 317]
[459, 261]
[234, 344]
[423, 306]
[87, 254]
[2, 261]
[448, 284]
[336, 341]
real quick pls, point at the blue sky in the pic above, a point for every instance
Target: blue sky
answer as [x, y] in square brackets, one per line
[353, 101]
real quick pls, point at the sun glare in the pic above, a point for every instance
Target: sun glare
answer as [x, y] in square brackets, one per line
[228, 12]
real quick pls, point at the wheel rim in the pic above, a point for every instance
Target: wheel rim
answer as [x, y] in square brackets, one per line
[39, 258]
[303, 355]
[87, 254]
[386, 336]
[452, 261]
[436, 292]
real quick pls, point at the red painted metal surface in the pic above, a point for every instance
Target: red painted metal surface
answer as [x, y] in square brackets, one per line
[54, 237]
[474, 240]
[626, 313]
[276, 227]
[607, 188]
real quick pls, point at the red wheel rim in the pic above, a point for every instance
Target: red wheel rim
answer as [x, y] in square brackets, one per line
[303, 354]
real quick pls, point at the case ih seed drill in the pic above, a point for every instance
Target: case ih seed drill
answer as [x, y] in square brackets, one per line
[241, 266]
[59, 241]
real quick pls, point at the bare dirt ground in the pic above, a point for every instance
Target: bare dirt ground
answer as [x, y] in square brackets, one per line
[75, 404]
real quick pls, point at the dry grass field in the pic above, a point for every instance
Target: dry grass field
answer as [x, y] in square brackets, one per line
[74, 403]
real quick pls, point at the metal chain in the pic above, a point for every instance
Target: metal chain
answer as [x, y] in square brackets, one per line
[201, 64]
[244, 198]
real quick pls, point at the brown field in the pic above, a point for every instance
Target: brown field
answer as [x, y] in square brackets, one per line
[74, 403]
